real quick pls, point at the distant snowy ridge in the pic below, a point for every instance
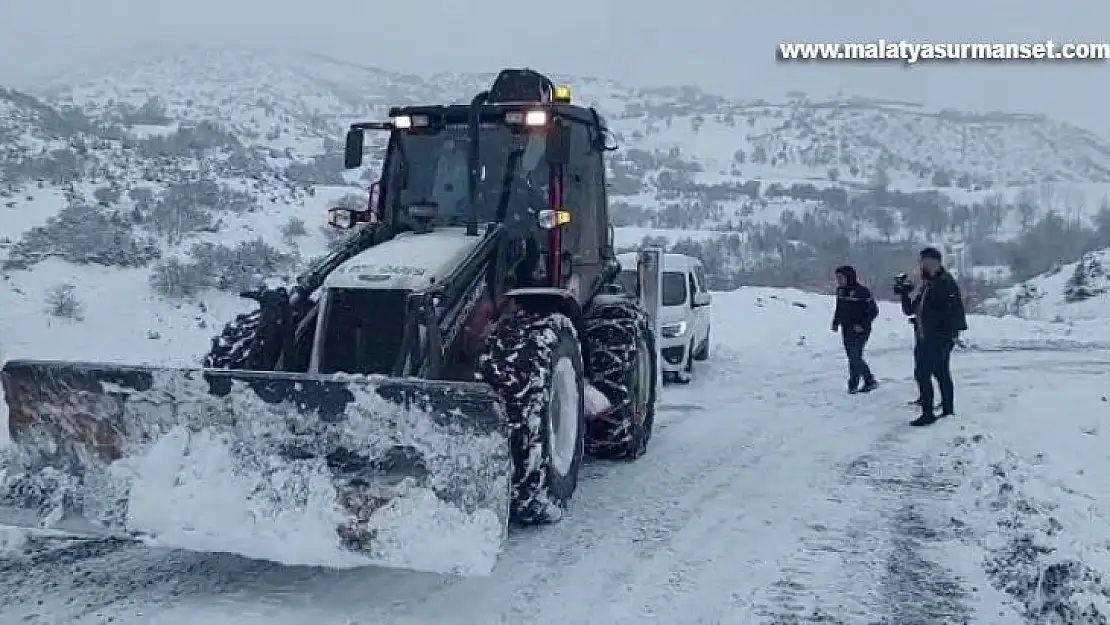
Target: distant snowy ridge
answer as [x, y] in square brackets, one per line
[296, 100]
[765, 192]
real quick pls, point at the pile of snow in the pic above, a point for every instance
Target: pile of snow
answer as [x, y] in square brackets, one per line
[758, 320]
[173, 500]
[1076, 291]
[1031, 481]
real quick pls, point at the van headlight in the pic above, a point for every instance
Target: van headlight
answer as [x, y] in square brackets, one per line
[673, 330]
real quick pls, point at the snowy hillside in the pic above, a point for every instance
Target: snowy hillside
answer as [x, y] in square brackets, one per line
[836, 511]
[225, 160]
[297, 96]
[1079, 290]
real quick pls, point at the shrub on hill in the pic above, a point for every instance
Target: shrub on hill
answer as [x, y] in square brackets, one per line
[82, 234]
[62, 302]
[240, 268]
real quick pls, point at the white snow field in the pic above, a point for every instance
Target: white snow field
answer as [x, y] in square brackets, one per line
[768, 496]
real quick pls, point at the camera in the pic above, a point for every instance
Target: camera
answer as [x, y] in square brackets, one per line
[902, 284]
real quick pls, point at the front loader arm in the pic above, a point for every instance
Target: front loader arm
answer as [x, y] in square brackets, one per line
[282, 313]
[438, 317]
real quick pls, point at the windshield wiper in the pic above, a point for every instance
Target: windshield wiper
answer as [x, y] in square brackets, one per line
[512, 164]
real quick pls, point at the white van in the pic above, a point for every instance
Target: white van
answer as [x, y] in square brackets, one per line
[684, 315]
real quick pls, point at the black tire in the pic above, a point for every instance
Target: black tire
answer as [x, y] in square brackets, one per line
[521, 362]
[687, 374]
[620, 343]
[234, 346]
[703, 350]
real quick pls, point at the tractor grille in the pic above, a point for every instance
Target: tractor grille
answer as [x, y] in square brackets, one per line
[363, 330]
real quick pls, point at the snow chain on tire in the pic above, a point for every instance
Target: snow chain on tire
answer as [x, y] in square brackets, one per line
[519, 361]
[615, 332]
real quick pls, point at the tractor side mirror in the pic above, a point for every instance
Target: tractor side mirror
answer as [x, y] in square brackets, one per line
[352, 154]
[557, 149]
[342, 218]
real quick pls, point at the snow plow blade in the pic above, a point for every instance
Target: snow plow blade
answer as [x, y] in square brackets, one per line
[319, 470]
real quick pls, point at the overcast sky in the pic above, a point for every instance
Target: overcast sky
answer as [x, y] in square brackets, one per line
[724, 45]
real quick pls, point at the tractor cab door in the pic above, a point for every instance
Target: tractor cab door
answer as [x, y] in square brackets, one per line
[587, 237]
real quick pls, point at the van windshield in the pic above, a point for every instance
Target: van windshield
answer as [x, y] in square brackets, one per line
[674, 288]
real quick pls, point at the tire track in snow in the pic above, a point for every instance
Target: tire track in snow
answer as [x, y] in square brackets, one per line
[872, 562]
[911, 525]
[745, 520]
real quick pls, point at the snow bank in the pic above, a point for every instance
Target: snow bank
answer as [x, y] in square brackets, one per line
[1034, 485]
[1078, 291]
[777, 321]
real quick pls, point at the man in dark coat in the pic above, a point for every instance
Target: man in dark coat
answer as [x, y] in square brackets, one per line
[855, 312]
[938, 310]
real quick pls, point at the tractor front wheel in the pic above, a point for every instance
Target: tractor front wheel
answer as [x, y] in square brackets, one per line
[533, 360]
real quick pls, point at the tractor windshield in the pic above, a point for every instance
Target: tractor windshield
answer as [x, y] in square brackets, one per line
[431, 168]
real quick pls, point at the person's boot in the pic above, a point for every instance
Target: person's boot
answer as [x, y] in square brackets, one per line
[946, 411]
[869, 386]
[927, 418]
[853, 386]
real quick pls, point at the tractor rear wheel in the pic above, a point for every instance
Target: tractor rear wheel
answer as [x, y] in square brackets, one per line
[622, 365]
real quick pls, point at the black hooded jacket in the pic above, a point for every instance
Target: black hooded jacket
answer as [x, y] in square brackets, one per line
[855, 306]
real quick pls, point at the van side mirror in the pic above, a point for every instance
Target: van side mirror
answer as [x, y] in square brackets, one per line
[701, 298]
[352, 153]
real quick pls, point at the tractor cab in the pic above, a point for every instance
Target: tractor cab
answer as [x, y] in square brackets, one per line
[520, 155]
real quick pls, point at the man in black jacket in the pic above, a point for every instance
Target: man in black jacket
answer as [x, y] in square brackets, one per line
[938, 309]
[855, 311]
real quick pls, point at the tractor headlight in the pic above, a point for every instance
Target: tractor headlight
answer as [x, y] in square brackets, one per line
[673, 330]
[527, 118]
[405, 122]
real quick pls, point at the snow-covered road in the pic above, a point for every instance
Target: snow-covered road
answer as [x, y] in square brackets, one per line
[768, 496]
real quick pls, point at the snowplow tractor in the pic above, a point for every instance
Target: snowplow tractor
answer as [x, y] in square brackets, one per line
[433, 381]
